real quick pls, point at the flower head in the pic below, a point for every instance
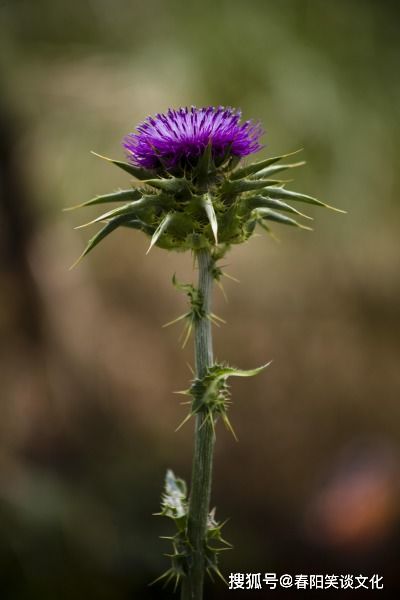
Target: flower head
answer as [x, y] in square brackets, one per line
[190, 192]
[180, 137]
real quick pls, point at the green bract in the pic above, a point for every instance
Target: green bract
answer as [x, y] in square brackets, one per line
[207, 206]
[175, 506]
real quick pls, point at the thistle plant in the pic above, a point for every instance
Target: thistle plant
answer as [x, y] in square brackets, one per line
[190, 191]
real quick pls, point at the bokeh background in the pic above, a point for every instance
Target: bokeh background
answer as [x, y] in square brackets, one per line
[87, 373]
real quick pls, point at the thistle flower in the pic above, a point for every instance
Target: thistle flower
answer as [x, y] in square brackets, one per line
[181, 136]
[190, 194]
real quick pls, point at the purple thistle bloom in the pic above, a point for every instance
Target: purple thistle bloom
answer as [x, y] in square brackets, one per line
[180, 137]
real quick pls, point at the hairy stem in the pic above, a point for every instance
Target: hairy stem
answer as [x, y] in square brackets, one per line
[192, 585]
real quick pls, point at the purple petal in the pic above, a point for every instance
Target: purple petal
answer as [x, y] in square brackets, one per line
[183, 134]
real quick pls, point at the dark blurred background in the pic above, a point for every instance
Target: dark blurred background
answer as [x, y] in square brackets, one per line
[87, 373]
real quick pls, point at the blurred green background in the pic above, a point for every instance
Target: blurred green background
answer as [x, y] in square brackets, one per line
[87, 373]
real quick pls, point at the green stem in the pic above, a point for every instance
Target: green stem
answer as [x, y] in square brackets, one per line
[192, 585]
